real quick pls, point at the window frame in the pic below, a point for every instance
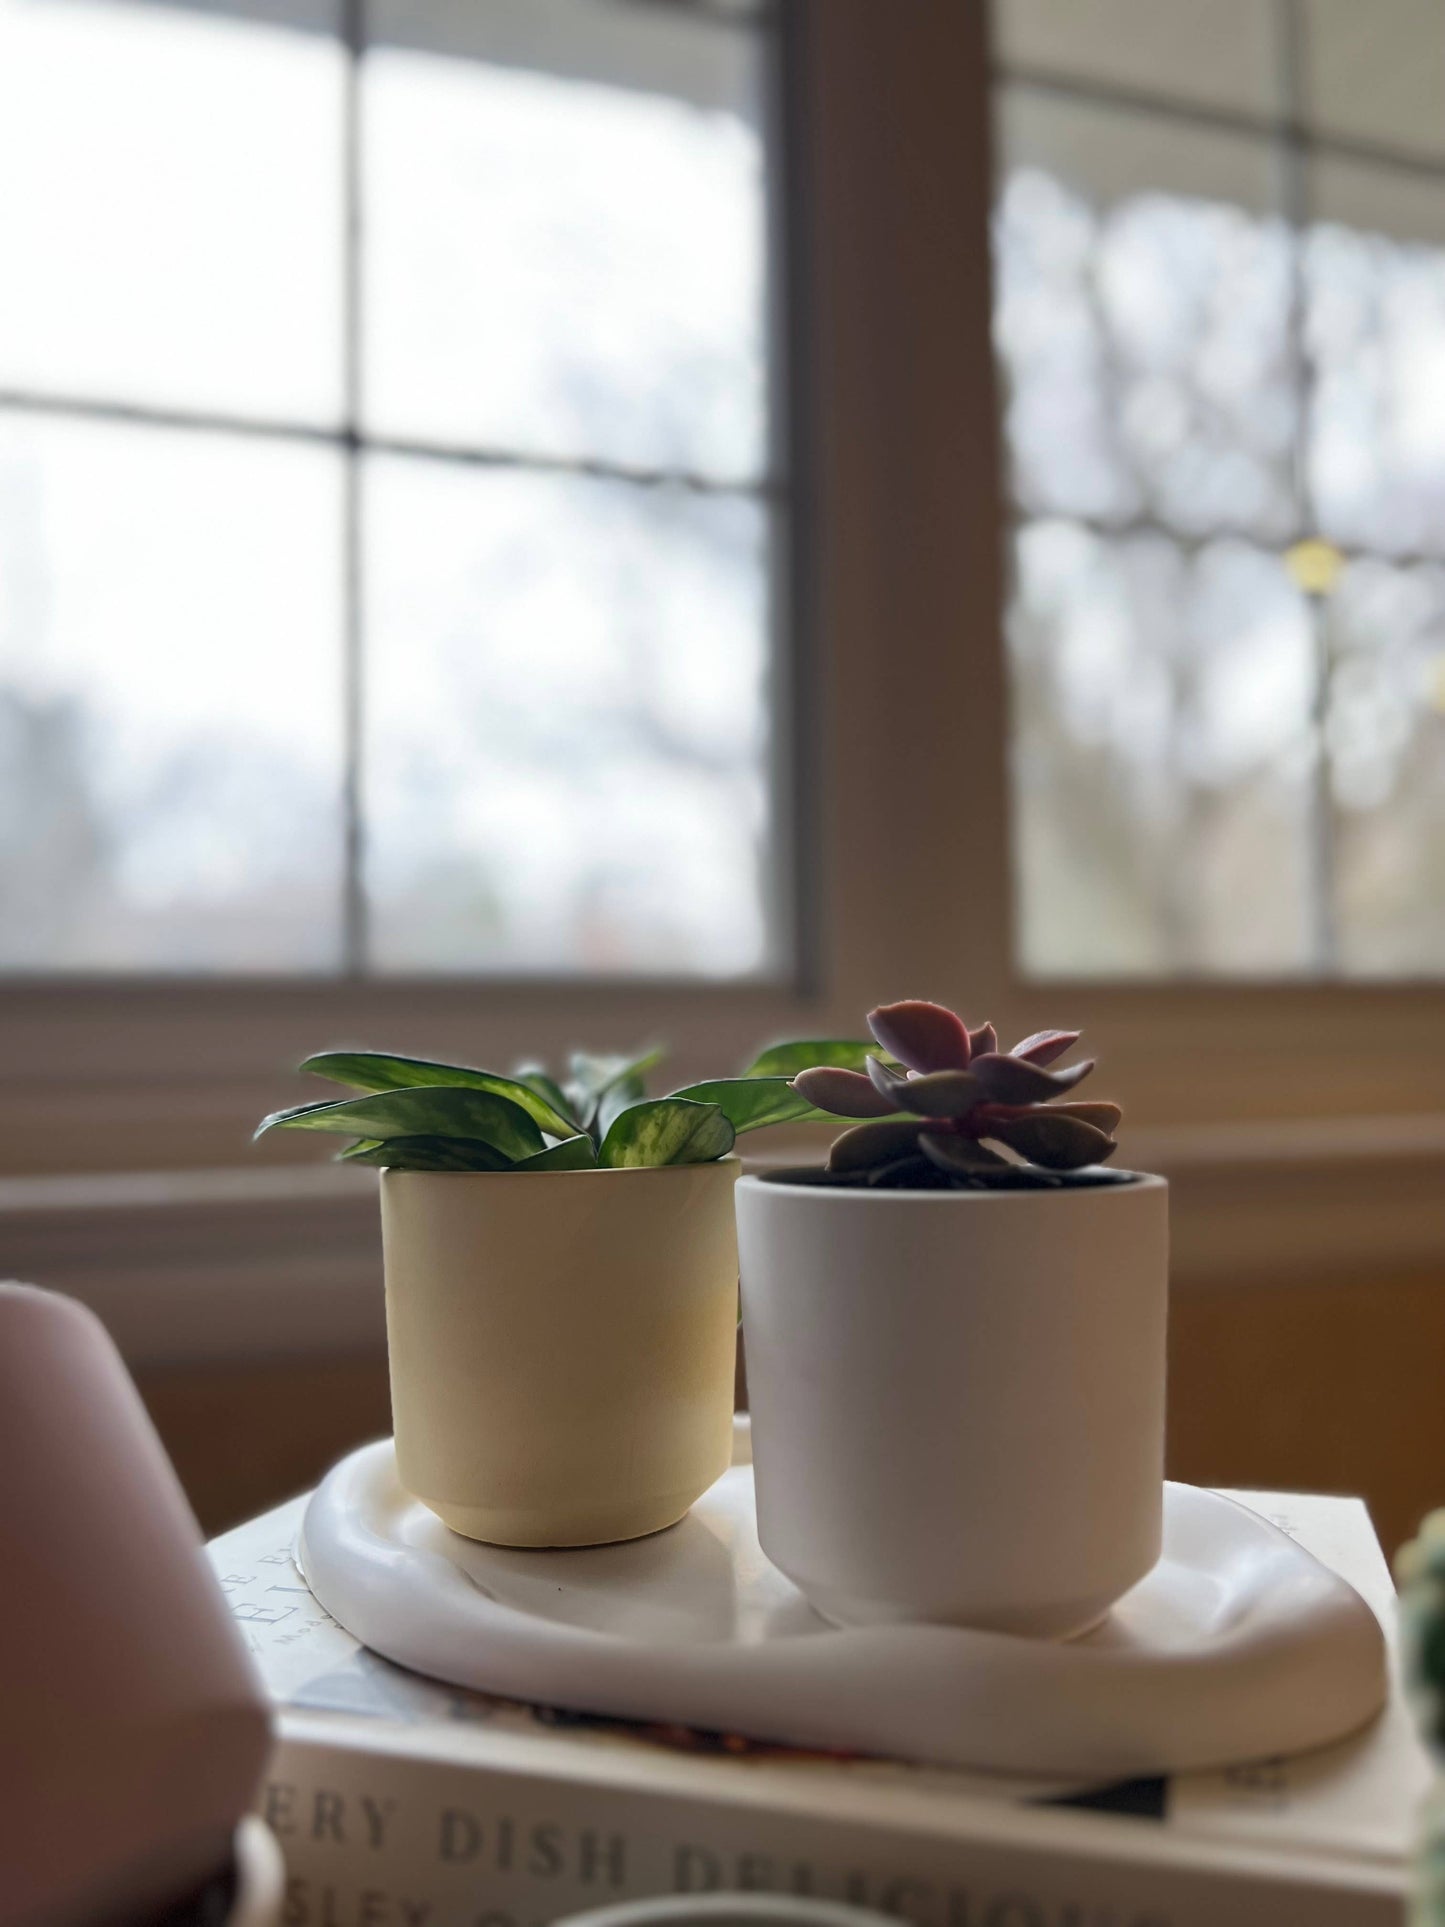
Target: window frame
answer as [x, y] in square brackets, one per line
[900, 706]
[352, 441]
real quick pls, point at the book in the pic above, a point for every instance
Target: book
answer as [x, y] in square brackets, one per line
[402, 1802]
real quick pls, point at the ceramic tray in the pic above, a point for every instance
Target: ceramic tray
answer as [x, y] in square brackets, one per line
[1239, 1644]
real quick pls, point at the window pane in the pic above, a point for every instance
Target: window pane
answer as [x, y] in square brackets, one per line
[1143, 333]
[566, 749]
[1164, 758]
[170, 205]
[1386, 736]
[565, 231]
[1192, 386]
[170, 701]
[1376, 335]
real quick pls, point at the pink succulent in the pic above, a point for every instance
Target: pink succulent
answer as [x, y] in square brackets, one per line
[948, 1088]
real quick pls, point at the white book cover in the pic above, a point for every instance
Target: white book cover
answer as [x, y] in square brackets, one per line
[421, 1796]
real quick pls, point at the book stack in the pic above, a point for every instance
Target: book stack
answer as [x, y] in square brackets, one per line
[403, 1803]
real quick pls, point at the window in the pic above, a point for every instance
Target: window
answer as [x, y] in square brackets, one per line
[1220, 319]
[898, 684]
[391, 509]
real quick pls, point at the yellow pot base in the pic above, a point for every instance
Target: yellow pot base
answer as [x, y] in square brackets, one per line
[494, 1526]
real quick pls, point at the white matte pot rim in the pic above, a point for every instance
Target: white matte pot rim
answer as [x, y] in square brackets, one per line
[994, 1194]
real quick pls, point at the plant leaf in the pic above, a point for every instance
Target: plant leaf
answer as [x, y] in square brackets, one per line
[577, 1153]
[951, 1152]
[982, 1039]
[666, 1130]
[358, 1153]
[753, 1103]
[941, 1093]
[1103, 1116]
[1043, 1046]
[904, 1174]
[929, 1094]
[425, 1153]
[787, 1059]
[840, 1093]
[1013, 1080]
[594, 1078]
[378, 1071]
[617, 1098]
[1050, 1138]
[420, 1111]
[881, 1141]
[537, 1078]
[924, 1036]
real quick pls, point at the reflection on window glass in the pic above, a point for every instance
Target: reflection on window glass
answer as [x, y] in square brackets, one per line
[170, 700]
[564, 767]
[386, 506]
[1224, 359]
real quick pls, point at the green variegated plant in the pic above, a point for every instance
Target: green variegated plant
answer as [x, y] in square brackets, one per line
[409, 1114]
[934, 1099]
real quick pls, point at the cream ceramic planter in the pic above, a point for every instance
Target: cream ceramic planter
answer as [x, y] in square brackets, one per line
[957, 1397]
[562, 1346]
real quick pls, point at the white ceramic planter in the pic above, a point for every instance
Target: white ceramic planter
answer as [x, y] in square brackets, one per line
[562, 1346]
[957, 1397]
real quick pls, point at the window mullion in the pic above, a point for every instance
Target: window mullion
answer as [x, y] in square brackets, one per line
[354, 906]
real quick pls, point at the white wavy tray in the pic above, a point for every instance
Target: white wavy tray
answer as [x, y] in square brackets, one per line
[1239, 1644]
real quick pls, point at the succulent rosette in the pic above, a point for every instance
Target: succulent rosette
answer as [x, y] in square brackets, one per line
[937, 1097]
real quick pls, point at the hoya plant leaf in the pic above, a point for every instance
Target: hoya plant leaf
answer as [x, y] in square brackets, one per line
[881, 1141]
[617, 1097]
[421, 1111]
[666, 1130]
[786, 1060]
[378, 1071]
[752, 1103]
[577, 1153]
[1053, 1139]
[924, 1036]
[537, 1078]
[954, 1153]
[358, 1152]
[429, 1154]
[1013, 1080]
[982, 1039]
[593, 1079]
[1043, 1046]
[840, 1093]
